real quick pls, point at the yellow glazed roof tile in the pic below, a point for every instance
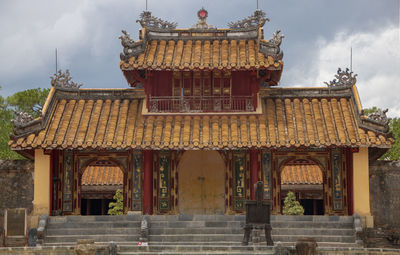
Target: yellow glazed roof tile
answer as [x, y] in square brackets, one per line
[119, 123]
[192, 54]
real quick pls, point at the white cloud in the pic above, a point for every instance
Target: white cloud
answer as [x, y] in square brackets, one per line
[376, 60]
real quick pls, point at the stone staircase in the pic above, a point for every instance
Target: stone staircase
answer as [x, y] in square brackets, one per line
[197, 234]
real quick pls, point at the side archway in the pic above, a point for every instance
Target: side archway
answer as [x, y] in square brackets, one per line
[307, 178]
[97, 180]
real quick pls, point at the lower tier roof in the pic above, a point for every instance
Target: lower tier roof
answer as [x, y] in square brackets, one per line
[113, 119]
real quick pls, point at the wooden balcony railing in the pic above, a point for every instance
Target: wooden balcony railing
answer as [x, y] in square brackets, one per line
[200, 104]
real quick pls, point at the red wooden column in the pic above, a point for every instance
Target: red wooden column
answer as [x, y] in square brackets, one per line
[254, 166]
[349, 161]
[147, 182]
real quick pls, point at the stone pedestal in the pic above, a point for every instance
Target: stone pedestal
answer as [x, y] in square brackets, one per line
[85, 247]
[306, 246]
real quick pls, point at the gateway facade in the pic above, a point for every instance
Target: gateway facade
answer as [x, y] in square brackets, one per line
[202, 122]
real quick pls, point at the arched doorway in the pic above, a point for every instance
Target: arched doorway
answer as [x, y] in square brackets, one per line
[306, 179]
[201, 183]
[99, 182]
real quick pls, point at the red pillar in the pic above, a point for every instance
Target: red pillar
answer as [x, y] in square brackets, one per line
[254, 170]
[52, 153]
[350, 204]
[147, 182]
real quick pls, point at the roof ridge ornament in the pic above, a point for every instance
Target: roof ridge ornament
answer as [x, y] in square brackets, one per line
[258, 19]
[276, 39]
[343, 79]
[22, 119]
[147, 20]
[202, 23]
[63, 80]
[380, 117]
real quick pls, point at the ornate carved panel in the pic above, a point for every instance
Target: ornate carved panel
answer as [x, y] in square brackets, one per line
[266, 173]
[68, 179]
[164, 178]
[239, 180]
[337, 185]
[137, 167]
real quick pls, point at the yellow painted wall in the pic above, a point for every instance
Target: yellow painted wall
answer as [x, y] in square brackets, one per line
[361, 186]
[41, 183]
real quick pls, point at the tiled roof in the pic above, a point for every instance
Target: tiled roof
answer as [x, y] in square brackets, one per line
[102, 175]
[106, 119]
[301, 174]
[201, 54]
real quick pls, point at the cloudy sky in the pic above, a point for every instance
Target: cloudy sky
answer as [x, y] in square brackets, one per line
[318, 38]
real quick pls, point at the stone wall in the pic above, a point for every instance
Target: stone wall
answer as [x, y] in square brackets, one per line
[16, 185]
[385, 193]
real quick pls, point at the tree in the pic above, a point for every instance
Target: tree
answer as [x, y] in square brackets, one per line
[394, 152]
[30, 101]
[394, 126]
[6, 127]
[117, 207]
[291, 206]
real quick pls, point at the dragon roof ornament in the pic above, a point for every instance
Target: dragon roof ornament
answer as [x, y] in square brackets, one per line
[63, 80]
[272, 46]
[21, 119]
[380, 117]
[258, 19]
[343, 79]
[202, 23]
[148, 21]
[131, 48]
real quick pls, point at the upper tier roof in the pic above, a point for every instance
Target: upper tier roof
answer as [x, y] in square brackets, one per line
[202, 47]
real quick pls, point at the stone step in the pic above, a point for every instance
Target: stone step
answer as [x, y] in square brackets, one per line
[238, 224]
[198, 253]
[84, 218]
[275, 231]
[96, 238]
[238, 238]
[92, 231]
[96, 225]
[320, 238]
[320, 244]
[173, 244]
[197, 224]
[285, 218]
[182, 217]
[193, 238]
[195, 248]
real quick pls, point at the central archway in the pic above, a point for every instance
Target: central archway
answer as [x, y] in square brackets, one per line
[201, 183]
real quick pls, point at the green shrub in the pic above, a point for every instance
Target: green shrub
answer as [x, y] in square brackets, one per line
[291, 206]
[117, 207]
